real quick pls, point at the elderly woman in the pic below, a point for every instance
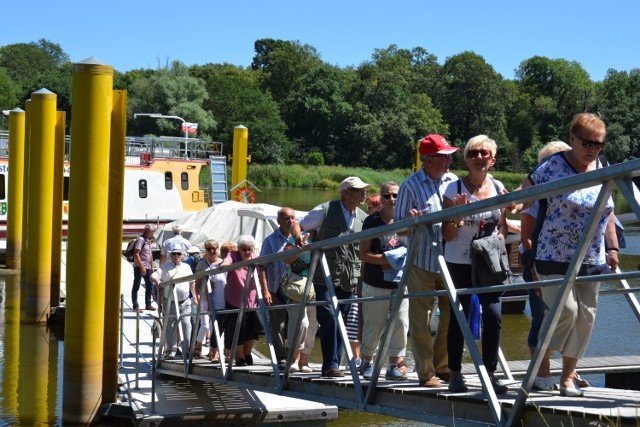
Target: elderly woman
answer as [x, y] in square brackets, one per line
[564, 223]
[175, 269]
[210, 261]
[233, 298]
[479, 156]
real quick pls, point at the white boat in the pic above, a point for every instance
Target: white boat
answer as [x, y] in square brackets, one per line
[162, 181]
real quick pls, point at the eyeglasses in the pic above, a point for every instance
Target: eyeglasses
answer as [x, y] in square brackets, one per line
[440, 156]
[390, 195]
[211, 249]
[590, 144]
[474, 153]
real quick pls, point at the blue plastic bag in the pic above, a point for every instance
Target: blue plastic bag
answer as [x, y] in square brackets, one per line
[474, 317]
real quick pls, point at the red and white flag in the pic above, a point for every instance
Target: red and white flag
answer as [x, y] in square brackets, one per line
[191, 128]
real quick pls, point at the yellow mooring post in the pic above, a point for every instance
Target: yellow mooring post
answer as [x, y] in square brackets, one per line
[240, 150]
[37, 285]
[56, 217]
[25, 185]
[16, 188]
[92, 100]
[114, 248]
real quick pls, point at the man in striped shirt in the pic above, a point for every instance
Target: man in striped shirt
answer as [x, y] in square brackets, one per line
[270, 276]
[420, 194]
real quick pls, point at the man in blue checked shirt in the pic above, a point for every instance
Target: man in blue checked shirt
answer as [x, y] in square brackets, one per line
[270, 276]
[419, 194]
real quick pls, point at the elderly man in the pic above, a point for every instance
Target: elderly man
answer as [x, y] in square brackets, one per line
[177, 239]
[142, 268]
[175, 269]
[270, 276]
[333, 219]
[419, 194]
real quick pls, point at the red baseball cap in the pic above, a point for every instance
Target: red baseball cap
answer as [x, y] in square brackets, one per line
[436, 144]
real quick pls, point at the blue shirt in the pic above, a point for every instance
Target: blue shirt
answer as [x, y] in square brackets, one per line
[423, 193]
[274, 243]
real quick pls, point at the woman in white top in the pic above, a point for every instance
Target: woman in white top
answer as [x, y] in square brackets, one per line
[479, 157]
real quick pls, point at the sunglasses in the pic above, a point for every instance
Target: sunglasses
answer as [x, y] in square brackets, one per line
[390, 195]
[590, 144]
[212, 249]
[471, 154]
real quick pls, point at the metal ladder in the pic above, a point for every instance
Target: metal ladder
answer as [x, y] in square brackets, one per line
[218, 179]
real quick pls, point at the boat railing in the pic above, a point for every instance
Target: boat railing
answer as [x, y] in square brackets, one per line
[141, 149]
[619, 175]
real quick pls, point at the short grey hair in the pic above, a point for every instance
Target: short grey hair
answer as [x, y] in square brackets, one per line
[246, 240]
[552, 147]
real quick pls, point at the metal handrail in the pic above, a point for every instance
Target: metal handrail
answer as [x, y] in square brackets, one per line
[609, 177]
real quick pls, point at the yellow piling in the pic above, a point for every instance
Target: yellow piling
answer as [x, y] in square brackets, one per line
[240, 150]
[92, 100]
[16, 188]
[25, 185]
[114, 247]
[56, 219]
[37, 285]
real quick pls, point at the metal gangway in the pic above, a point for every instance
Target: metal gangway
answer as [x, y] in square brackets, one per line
[396, 400]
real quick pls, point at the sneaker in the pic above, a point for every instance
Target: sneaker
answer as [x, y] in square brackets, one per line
[306, 369]
[294, 368]
[456, 383]
[249, 359]
[282, 365]
[241, 362]
[497, 385]
[367, 370]
[543, 384]
[393, 373]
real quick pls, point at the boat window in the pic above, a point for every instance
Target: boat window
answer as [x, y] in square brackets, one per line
[65, 189]
[184, 181]
[142, 188]
[168, 180]
[3, 193]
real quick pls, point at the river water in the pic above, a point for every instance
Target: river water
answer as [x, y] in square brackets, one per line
[616, 332]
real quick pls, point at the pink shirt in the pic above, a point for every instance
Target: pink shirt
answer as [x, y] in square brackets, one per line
[235, 283]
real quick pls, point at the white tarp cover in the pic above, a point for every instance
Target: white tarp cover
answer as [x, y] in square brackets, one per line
[226, 222]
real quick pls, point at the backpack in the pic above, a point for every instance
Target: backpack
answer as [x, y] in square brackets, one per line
[128, 253]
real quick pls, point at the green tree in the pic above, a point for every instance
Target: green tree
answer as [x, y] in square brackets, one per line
[473, 101]
[618, 98]
[235, 99]
[557, 90]
[388, 118]
[29, 65]
[8, 98]
[170, 91]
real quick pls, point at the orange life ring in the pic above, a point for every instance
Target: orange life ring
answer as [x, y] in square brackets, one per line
[245, 195]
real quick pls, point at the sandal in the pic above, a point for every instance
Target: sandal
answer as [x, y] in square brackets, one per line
[580, 383]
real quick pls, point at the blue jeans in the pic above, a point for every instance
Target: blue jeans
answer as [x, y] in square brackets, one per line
[148, 286]
[330, 338]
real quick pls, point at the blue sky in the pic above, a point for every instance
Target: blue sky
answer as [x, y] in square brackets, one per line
[143, 34]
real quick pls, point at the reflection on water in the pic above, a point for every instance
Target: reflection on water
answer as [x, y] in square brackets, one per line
[30, 366]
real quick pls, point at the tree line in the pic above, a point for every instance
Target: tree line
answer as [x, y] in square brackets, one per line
[302, 110]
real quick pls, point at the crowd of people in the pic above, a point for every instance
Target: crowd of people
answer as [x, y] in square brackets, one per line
[370, 268]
